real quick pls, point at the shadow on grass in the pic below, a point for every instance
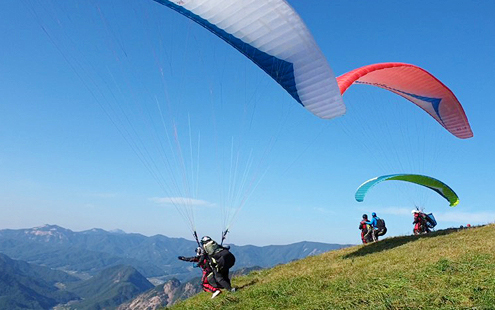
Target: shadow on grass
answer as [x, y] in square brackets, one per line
[247, 284]
[394, 242]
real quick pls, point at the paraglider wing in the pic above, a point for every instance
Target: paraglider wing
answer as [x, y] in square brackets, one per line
[438, 186]
[416, 85]
[272, 35]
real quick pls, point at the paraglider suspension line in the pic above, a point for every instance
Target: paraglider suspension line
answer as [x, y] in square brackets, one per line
[195, 234]
[224, 235]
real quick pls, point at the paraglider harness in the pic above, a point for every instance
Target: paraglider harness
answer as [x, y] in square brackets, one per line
[365, 232]
[423, 222]
[431, 222]
[369, 236]
[205, 264]
[208, 281]
[381, 229]
[217, 256]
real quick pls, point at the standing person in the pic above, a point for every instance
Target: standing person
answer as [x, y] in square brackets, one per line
[207, 279]
[377, 226]
[420, 223]
[221, 260]
[365, 236]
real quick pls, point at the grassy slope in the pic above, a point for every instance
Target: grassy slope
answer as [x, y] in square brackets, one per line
[450, 269]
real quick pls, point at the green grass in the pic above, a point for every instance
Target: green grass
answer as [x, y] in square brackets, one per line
[449, 269]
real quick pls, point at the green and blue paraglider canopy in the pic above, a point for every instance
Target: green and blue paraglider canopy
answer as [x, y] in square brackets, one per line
[438, 186]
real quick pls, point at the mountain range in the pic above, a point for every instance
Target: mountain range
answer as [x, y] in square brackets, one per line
[27, 286]
[96, 269]
[86, 253]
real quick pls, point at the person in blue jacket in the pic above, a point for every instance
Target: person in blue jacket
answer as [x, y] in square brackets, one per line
[378, 226]
[374, 220]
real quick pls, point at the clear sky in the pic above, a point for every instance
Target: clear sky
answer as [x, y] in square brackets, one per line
[109, 110]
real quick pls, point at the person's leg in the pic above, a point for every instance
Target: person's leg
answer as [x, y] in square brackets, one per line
[223, 282]
[207, 287]
[225, 275]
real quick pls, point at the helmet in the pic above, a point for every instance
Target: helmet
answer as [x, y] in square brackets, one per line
[205, 239]
[199, 251]
[414, 211]
[373, 214]
[365, 216]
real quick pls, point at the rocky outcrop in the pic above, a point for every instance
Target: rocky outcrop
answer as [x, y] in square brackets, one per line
[164, 295]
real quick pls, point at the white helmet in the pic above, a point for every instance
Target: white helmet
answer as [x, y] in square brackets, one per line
[205, 239]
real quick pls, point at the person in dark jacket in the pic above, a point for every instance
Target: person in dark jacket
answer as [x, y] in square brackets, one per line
[207, 279]
[221, 260]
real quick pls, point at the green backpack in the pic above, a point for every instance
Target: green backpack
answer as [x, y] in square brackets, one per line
[212, 248]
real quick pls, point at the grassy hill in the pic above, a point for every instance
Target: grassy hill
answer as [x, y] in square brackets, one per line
[448, 269]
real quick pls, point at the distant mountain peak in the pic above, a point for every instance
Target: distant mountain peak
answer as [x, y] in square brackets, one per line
[118, 231]
[50, 227]
[49, 233]
[95, 230]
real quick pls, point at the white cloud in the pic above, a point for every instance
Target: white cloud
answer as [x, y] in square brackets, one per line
[182, 201]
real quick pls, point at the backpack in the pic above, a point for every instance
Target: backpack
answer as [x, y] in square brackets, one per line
[380, 223]
[381, 229]
[212, 248]
[430, 220]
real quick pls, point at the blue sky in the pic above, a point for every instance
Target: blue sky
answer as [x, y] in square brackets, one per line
[69, 157]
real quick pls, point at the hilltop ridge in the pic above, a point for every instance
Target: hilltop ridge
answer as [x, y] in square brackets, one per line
[447, 269]
[88, 252]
